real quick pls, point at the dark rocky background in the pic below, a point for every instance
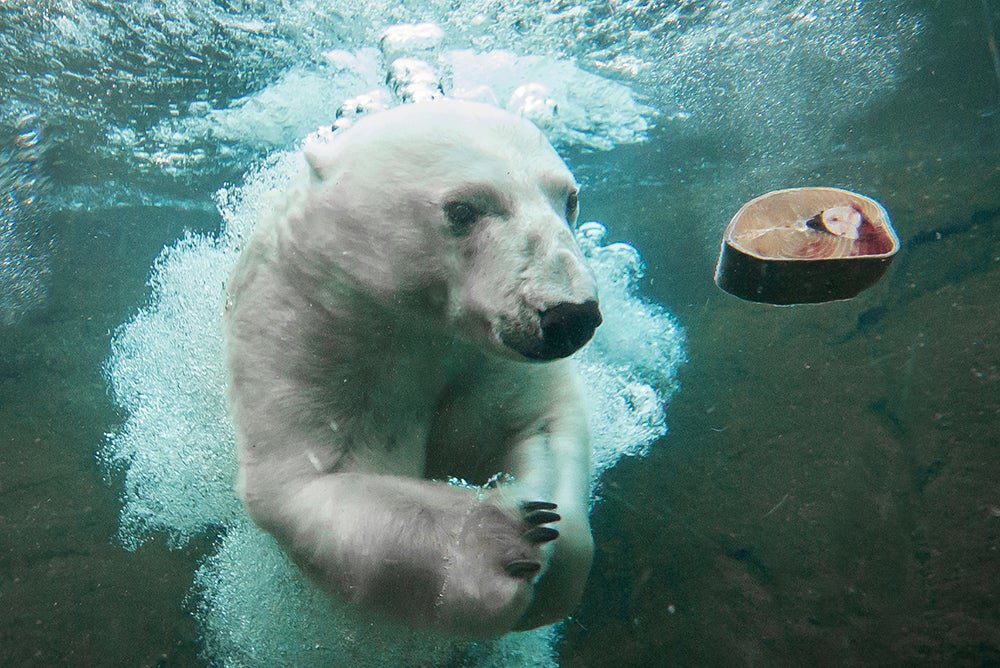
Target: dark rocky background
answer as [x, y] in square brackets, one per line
[829, 493]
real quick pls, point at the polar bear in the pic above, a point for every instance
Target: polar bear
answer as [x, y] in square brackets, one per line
[403, 319]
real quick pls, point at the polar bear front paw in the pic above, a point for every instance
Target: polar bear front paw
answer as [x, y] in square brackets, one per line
[510, 536]
[494, 565]
[536, 514]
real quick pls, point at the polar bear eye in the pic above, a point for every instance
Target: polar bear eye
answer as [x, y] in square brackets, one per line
[461, 216]
[572, 204]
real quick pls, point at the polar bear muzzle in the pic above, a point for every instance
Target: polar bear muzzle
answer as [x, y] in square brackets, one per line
[565, 328]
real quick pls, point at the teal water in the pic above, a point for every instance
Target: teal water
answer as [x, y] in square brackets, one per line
[827, 489]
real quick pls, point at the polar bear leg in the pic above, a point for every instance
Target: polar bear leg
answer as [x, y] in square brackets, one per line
[422, 552]
[537, 417]
[556, 463]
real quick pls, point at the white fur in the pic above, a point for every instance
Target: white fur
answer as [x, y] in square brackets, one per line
[369, 359]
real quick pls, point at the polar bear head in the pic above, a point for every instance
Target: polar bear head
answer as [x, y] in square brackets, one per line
[462, 212]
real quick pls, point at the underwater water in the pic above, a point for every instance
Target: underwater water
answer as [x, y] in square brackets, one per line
[774, 485]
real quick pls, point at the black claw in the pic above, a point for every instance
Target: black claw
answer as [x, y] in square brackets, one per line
[530, 506]
[542, 517]
[541, 535]
[523, 568]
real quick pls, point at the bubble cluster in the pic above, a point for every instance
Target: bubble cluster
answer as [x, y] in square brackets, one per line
[177, 447]
[575, 107]
[166, 368]
[630, 366]
[257, 609]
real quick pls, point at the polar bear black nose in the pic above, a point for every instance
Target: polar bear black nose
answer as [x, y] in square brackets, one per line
[567, 326]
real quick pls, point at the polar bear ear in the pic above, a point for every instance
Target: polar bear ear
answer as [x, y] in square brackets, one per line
[320, 156]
